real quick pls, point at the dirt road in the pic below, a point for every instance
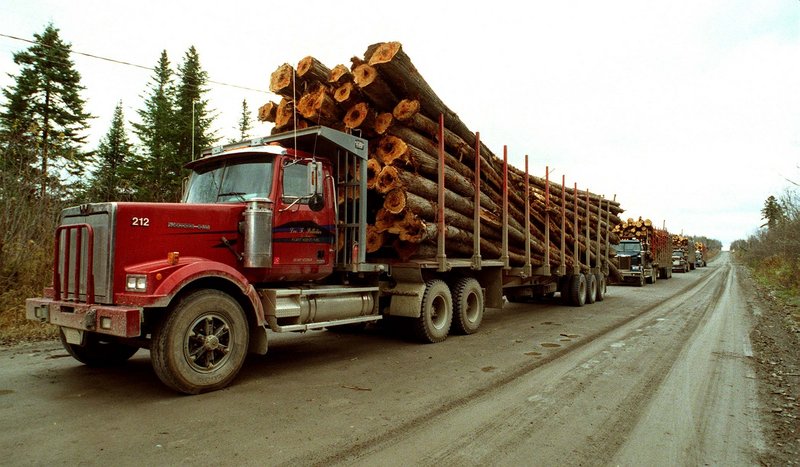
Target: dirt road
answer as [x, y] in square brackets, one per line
[659, 375]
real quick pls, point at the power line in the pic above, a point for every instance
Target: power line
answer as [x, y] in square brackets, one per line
[122, 62]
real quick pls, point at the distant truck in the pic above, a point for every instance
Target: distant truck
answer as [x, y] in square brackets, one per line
[700, 251]
[684, 258]
[643, 253]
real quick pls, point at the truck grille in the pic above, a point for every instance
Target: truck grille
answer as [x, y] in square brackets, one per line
[84, 253]
[624, 262]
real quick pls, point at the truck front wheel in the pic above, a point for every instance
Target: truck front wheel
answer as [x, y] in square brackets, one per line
[202, 343]
[468, 305]
[97, 352]
[436, 313]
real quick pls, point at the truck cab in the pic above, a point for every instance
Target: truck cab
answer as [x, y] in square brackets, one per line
[679, 260]
[635, 262]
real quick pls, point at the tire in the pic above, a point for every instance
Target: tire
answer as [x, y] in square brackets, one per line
[97, 352]
[577, 290]
[601, 288]
[591, 288]
[468, 306]
[652, 279]
[201, 344]
[436, 313]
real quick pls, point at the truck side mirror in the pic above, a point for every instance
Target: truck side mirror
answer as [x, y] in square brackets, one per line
[314, 178]
[315, 186]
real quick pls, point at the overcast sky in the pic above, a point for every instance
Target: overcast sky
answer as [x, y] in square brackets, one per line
[687, 111]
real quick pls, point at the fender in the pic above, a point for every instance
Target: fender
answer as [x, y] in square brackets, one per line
[190, 270]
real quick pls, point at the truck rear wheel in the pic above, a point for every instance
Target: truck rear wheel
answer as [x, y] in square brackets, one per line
[591, 288]
[601, 287]
[468, 305]
[97, 352]
[202, 343]
[436, 313]
[577, 290]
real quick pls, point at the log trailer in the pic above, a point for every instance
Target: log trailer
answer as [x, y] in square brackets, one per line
[260, 243]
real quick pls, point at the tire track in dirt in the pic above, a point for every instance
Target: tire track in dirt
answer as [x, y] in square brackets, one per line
[615, 427]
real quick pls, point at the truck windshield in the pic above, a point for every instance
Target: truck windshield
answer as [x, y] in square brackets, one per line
[230, 182]
[628, 247]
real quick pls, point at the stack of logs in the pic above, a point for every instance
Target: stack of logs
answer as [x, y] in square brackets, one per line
[638, 229]
[643, 229]
[679, 241]
[383, 98]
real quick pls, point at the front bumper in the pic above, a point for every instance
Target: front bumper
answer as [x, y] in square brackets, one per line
[120, 321]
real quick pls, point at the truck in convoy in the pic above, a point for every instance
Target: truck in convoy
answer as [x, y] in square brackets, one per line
[684, 257]
[261, 244]
[700, 252]
[643, 253]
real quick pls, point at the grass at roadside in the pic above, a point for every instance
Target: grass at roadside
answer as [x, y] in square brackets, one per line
[14, 328]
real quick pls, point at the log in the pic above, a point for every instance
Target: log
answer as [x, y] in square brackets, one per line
[284, 114]
[374, 168]
[267, 112]
[373, 86]
[311, 69]
[393, 63]
[360, 116]
[339, 75]
[318, 106]
[382, 123]
[280, 82]
[347, 94]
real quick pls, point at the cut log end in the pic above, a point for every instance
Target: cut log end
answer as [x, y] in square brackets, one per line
[339, 74]
[359, 115]
[385, 53]
[344, 92]
[405, 109]
[388, 179]
[281, 79]
[395, 201]
[268, 112]
[373, 171]
[382, 123]
[392, 150]
[375, 239]
[364, 75]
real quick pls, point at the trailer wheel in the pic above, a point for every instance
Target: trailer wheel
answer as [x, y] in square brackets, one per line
[97, 352]
[202, 343]
[577, 290]
[601, 287]
[591, 288]
[468, 305]
[436, 313]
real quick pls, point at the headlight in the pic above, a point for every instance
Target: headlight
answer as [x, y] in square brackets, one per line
[136, 283]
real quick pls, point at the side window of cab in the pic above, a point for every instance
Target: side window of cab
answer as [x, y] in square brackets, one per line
[295, 183]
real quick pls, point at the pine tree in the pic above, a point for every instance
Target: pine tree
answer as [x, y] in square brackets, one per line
[157, 132]
[114, 156]
[44, 108]
[772, 212]
[245, 122]
[193, 119]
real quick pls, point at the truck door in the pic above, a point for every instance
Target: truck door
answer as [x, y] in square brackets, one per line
[304, 226]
